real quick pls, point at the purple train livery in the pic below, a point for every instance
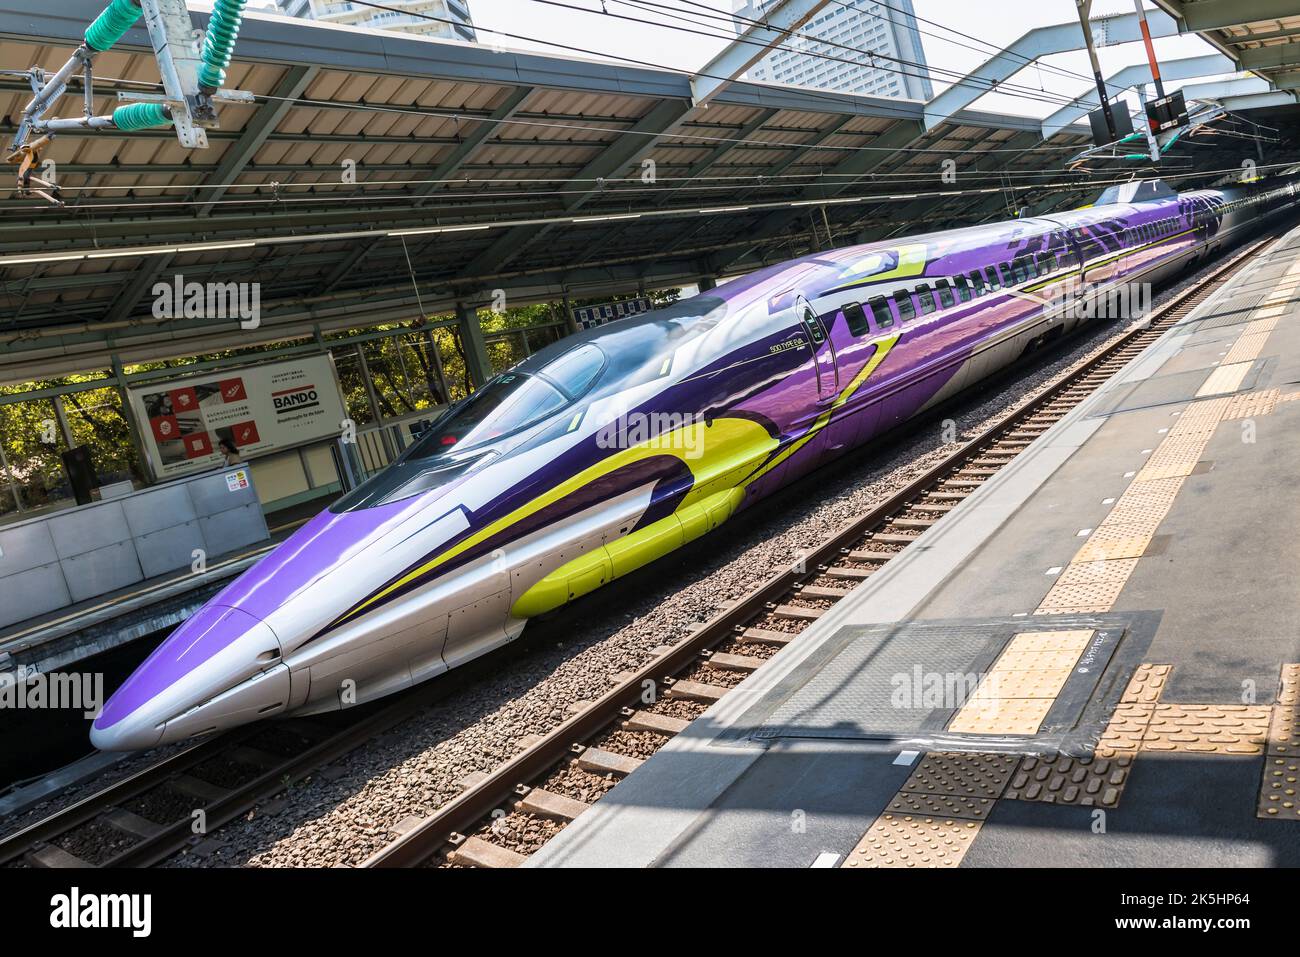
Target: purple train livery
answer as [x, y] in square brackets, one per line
[615, 446]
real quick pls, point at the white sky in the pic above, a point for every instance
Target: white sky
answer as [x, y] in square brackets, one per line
[996, 21]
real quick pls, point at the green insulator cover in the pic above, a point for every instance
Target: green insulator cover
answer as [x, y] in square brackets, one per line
[219, 42]
[118, 17]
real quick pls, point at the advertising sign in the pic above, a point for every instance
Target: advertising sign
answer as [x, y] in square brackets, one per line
[192, 425]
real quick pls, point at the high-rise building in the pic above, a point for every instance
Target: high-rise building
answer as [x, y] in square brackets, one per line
[817, 58]
[449, 19]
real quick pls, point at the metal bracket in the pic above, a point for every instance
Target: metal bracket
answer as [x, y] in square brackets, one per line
[172, 34]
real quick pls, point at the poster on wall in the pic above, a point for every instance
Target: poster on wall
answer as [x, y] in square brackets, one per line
[189, 426]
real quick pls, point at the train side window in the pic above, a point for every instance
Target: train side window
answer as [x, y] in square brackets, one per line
[977, 282]
[925, 298]
[992, 274]
[880, 312]
[857, 319]
[963, 288]
[1018, 270]
[944, 291]
[906, 308]
[1008, 278]
[814, 326]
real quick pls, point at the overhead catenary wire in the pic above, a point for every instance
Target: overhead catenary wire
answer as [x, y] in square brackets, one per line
[589, 52]
[926, 70]
[124, 252]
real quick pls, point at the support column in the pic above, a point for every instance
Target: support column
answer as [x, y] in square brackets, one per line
[133, 424]
[569, 321]
[706, 283]
[471, 338]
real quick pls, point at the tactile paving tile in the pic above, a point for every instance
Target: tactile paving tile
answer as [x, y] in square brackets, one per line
[907, 840]
[1289, 397]
[1118, 540]
[1208, 729]
[1250, 404]
[941, 805]
[1046, 660]
[1146, 685]
[1144, 501]
[1284, 732]
[1034, 641]
[1278, 797]
[1123, 733]
[1198, 418]
[1288, 692]
[962, 773]
[1059, 779]
[1226, 378]
[1001, 716]
[1247, 347]
[1262, 325]
[998, 685]
[1093, 585]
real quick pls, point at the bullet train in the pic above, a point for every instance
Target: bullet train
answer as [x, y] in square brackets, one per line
[615, 446]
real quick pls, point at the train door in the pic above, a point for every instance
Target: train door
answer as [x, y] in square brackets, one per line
[822, 349]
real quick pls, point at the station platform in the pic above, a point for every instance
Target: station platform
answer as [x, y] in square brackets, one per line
[1093, 661]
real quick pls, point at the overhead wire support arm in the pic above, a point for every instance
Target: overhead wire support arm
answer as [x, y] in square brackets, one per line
[191, 80]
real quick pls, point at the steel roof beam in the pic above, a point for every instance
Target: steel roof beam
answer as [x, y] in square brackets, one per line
[1038, 43]
[1202, 15]
[269, 39]
[779, 20]
[1225, 89]
[1279, 56]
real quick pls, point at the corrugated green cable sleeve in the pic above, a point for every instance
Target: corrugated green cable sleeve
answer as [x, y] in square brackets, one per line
[118, 17]
[141, 116]
[219, 42]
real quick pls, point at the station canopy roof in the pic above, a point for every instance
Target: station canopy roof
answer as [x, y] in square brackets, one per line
[476, 169]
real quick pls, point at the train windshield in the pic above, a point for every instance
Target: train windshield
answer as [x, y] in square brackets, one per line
[506, 404]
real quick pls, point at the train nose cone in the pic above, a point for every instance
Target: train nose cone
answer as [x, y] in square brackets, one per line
[216, 650]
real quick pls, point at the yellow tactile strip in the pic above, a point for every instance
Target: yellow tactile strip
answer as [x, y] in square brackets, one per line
[1284, 732]
[1016, 694]
[935, 816]
[1124, 731]
[1247, 405]
[1208, 729]
[1225, 379]
[1087, 586]
[913, 840]
[1096, 781]
[1247, 347]
[1277, 796]
[1147, 684]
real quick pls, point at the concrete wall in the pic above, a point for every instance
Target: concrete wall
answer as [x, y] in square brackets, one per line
[81, 553]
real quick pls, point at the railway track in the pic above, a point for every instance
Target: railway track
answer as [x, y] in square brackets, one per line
[501, 818]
